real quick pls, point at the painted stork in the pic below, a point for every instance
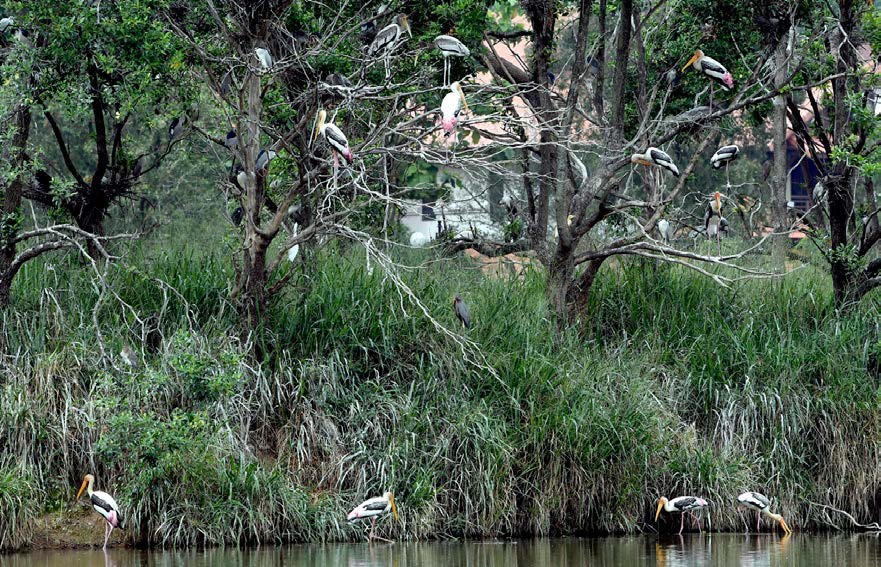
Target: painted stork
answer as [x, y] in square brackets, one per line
[461, 311]
[263, 159]
[682, 505]
[387, 39]
[104, 504]
[658, 158]
[372, 508]
[724, 156]
[334, 137]
[712, 69]
[761, 504]
[666, 230]
[713, 219]
[264, 57]
[450, 47]
[451, 105]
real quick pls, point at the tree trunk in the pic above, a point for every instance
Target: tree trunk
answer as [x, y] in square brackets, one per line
[12, 200]
[780, 168]
[840, 206]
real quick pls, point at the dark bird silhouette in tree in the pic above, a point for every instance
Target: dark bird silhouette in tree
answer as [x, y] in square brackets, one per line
[462, 312]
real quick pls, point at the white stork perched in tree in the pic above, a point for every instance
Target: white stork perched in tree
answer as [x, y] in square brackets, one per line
[450, 47]
[682, 505]
[666, 230]
[387, 39]
[371, 509]
[724, 156]
[104, 504]
[713, 219]
[334, 137]
[265, 58]
[451, 105]
[657, 158]
[761, 504]
[712, 69]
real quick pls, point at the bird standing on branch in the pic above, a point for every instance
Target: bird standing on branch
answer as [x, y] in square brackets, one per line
[450, 47]
[713, 219]
[387, 39]
[657, 158]
[451, 105]
[712, 69]
[724, 156]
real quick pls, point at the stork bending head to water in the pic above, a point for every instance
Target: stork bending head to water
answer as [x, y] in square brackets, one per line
[761, 504]
[371, 509]
[682, 505]
[104, 504]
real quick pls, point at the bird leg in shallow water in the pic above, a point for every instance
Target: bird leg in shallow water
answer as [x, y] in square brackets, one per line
[697, 521]
[681, 522]
[758, 520]
[108, 529]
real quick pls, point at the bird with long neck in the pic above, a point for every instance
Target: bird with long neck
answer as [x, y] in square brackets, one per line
[451, 105]
[761, 504]
[712, 69]
[102, 503]
[683, 505]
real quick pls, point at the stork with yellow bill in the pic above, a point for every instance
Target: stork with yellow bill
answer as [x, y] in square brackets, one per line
[371, 509]
[102, 503]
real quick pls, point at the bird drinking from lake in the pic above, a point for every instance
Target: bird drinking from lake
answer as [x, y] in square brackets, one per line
[102, 503]
[761, 504]
[373, 508]
[682, 505]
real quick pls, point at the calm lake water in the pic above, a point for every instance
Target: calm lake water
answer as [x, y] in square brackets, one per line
[713, 549]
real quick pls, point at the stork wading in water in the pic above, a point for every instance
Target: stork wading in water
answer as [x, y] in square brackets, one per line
[386, 40]
[713, 219]
[337, 140]
[373, 508]
[653, 157]
[682, 505]
[450, 47]
[724, 156]
[451, 106]
[104, 504]
[712, 69]
[761, 504]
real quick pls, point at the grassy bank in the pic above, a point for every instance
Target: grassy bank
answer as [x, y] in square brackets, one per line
[672, 385]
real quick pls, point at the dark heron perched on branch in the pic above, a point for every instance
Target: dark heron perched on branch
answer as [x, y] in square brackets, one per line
[462, 312]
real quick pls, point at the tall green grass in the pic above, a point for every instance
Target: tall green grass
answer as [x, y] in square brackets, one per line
[670, 385]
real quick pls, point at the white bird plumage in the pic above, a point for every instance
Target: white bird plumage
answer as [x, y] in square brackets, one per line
[761, 504]
[658, 158]
[451, 105]
[372, 508]
[682, 505]
[666, 230]
[334, 137]
[264, 57]
[724, 156]
[102, 503]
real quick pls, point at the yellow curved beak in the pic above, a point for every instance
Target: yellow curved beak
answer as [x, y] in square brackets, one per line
[462, 96]
[391, 500]
[82, 489]
[690, 61]
[660, 507]
[785, 527]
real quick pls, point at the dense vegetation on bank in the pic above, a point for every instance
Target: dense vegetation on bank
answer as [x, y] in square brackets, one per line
[673, 385]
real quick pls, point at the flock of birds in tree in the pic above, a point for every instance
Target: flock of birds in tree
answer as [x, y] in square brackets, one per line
[383, 44]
